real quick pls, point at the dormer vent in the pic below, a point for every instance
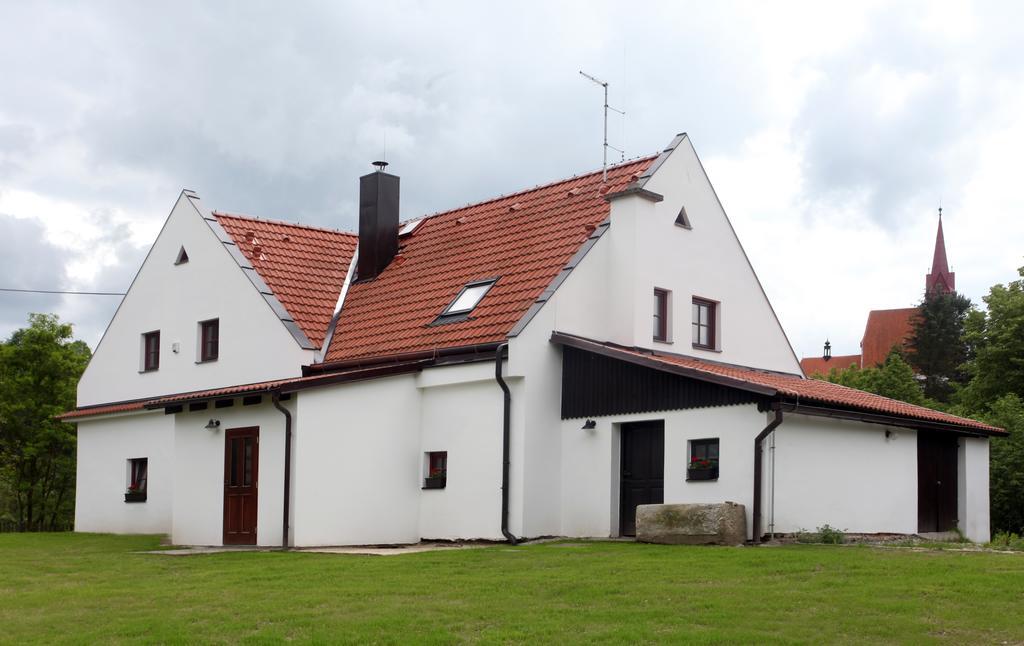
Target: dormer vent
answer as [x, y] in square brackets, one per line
[182, 257]
[409, 227]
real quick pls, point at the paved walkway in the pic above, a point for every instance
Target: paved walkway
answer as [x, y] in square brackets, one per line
[366, 551]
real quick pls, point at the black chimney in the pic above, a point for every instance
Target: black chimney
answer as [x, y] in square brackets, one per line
[378, 221]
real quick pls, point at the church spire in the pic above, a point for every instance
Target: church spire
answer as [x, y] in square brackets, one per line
[940, 279]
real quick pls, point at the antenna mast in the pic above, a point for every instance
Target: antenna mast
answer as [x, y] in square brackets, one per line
[604, 165]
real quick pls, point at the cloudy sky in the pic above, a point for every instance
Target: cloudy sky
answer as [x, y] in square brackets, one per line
[830, 131]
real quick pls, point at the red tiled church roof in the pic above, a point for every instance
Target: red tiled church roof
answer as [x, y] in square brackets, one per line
[807, 390]
[819, 366]
[940, 279]
[523, 239]
[885, 329]
[304, 266]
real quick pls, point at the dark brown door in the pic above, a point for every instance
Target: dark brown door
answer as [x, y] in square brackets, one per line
[642, 479]
[241, 473]
[936, 481]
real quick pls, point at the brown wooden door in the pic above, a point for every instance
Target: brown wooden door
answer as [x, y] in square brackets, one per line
[642, 478]
[936, 481]
[241, 474]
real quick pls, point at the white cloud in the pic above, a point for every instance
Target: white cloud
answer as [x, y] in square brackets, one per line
[830, 130]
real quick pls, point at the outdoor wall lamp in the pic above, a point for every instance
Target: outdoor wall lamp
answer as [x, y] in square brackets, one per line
[589, 425]
[212, 425]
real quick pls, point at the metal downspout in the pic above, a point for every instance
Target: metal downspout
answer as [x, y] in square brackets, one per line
[505, 440]
[276, 399]
[756, 533]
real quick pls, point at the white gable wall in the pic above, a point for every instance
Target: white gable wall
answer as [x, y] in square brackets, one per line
[254, 344]
[706, 261]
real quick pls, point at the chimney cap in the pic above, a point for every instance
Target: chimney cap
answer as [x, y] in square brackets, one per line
[381, 165]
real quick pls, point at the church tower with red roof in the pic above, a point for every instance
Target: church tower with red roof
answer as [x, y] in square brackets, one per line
[940, 280]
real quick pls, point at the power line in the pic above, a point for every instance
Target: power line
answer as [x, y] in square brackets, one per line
[57, 291]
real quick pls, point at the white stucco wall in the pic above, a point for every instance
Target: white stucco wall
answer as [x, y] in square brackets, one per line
[358, 471]
[254, 344]
[973, 489]
[104, 448]
[535, 369]
[612, 289]
[199, 472]
[843, 473]
[465, 419]
[609, 297]
[591, 464]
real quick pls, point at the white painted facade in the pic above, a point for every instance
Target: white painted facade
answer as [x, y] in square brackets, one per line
[359, 449]
[174, 298]
[849, 475]
[104, 448]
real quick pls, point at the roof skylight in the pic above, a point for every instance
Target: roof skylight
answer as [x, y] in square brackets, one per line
[469, 297]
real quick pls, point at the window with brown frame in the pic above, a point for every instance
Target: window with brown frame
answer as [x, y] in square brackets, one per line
[151, 351]
[704, 312]
[661, 314]
[138, 477]
[209, 340]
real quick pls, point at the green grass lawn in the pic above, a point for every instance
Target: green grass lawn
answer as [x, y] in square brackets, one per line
[95, 588]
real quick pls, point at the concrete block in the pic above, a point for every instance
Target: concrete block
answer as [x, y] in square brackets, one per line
[692, 524]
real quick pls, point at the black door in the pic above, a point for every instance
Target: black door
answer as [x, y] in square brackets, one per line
[642, 478]
[936, 481]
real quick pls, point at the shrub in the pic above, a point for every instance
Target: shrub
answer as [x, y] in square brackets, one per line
[1007, 541]
[824, 534]
[831, 535]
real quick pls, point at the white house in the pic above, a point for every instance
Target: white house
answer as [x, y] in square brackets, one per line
[537, 364]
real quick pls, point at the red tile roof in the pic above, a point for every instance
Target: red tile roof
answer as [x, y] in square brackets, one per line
[788, 385]
[885, 329]
[289, 385]
[304, 266]
[523, 239]
[819, 366]
[104, 409]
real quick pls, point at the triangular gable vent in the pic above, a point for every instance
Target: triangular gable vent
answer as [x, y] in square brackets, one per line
[682, 219]
[182, 257]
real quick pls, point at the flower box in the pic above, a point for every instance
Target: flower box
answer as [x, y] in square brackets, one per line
[135, 496]
[435, 482]
[702, 474]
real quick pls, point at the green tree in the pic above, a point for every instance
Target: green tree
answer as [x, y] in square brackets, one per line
[996, 338]
[937, 346]
[1006, 471]
[894, 379]
[39, 369]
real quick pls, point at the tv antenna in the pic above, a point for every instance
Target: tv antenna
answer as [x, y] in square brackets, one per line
[604, 166]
